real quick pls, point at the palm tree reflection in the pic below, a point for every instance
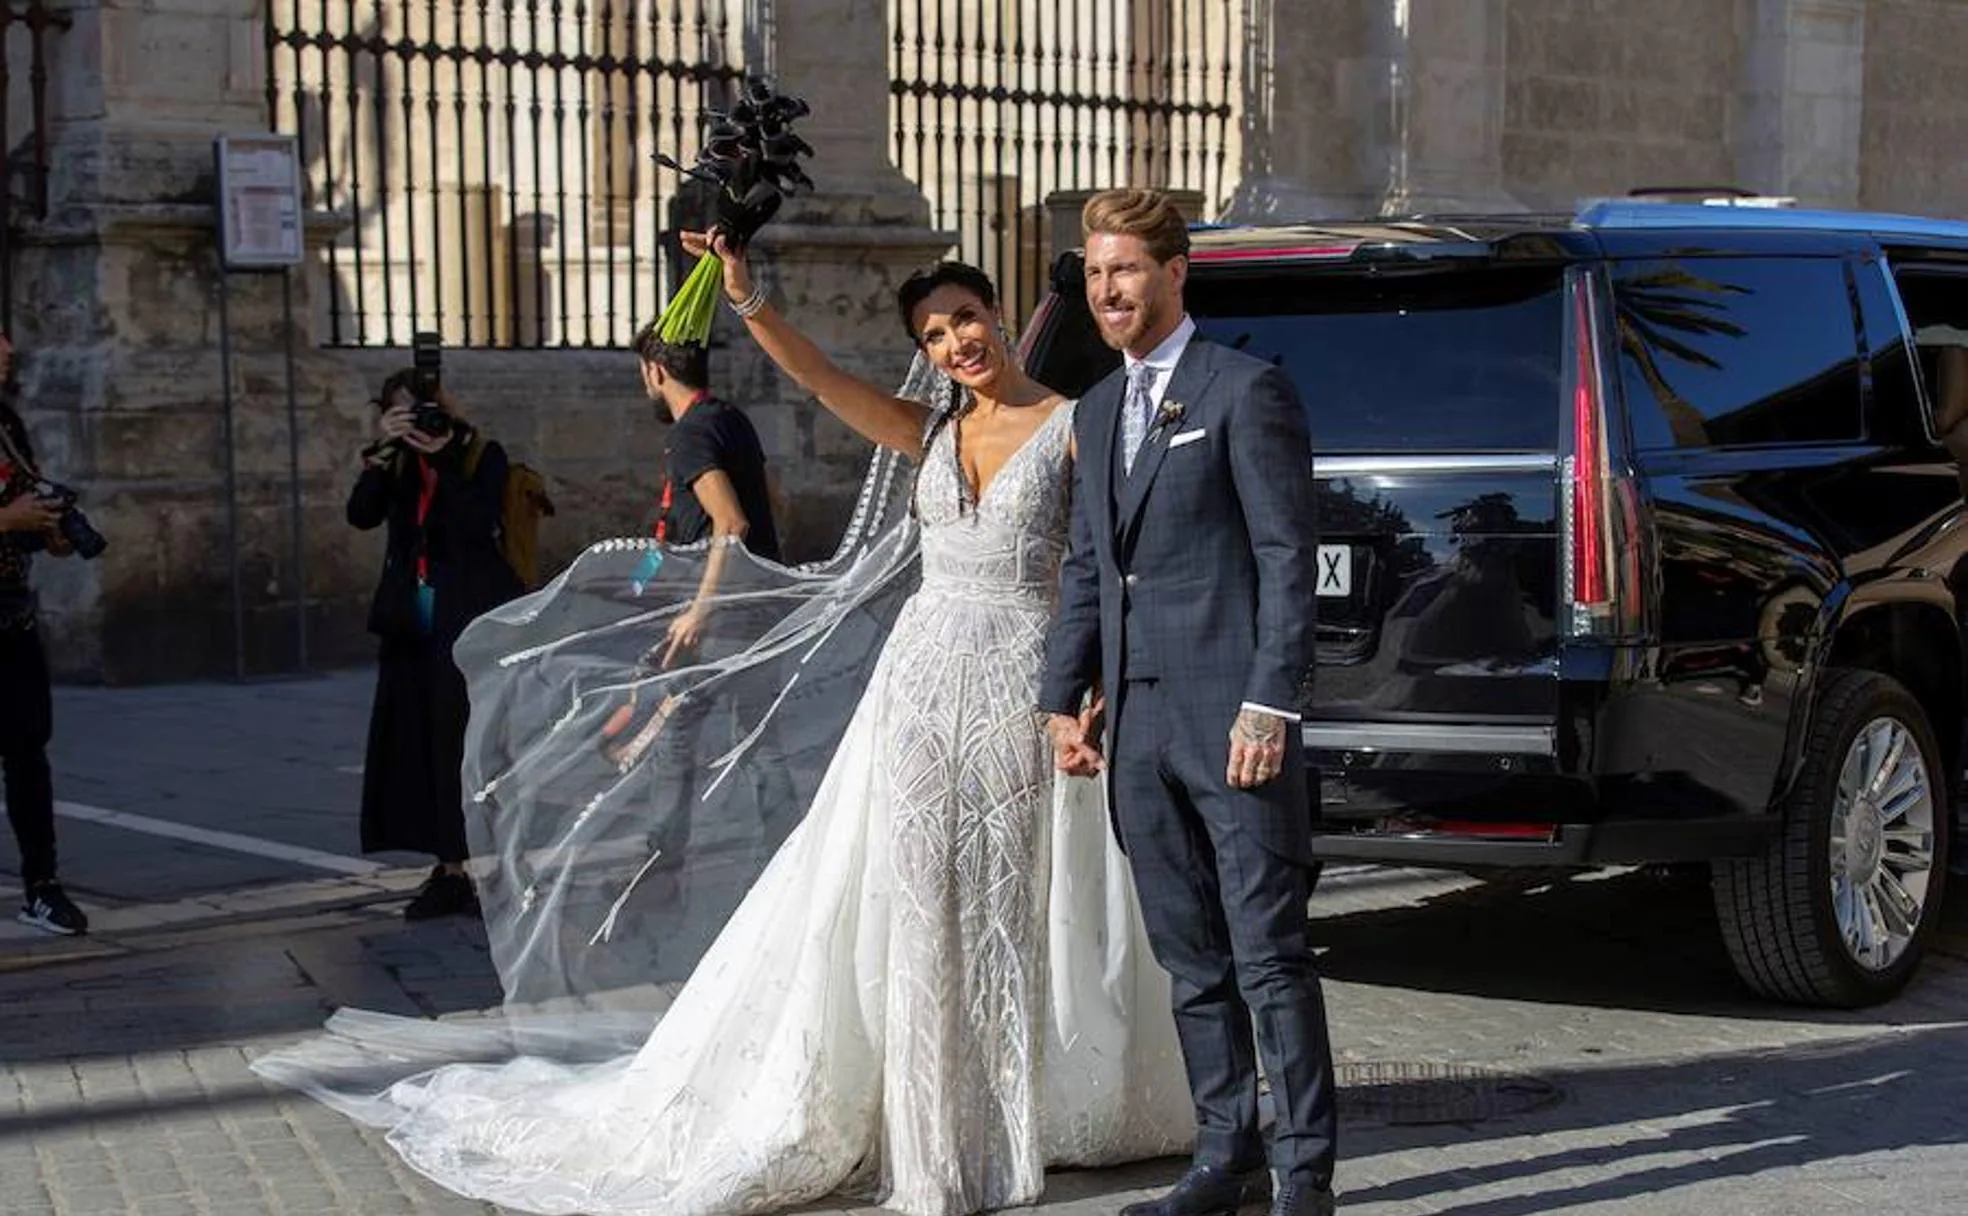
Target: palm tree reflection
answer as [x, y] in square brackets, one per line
[1651, 310]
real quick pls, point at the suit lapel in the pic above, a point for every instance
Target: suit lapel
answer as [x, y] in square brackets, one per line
[1101, 404]
[1191, 380]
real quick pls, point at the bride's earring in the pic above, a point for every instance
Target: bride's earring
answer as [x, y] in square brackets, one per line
[1010, 346]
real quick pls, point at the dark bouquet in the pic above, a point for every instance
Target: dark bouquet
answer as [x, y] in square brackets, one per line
[751, 157]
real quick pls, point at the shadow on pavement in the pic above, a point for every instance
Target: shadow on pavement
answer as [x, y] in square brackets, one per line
[250, 981]
[1639, 1132]
[1721, 1117]
[1644, 940]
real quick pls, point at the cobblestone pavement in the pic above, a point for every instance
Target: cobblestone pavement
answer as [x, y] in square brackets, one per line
[1576, 1047]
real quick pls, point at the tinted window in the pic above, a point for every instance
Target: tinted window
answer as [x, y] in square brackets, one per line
[1454, 361]
[1733, 352]
[1936, 304]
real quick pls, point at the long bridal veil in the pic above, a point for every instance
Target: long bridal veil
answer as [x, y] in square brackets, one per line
[627, 816]
[625, 805]
[619, 807]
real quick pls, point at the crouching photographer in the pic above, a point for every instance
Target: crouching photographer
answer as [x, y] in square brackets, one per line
[36, 516]
[438, 485]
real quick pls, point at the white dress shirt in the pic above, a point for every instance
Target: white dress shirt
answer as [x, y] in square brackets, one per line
[1162, 362]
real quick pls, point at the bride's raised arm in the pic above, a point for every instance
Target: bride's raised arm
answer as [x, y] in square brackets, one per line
[891, 421]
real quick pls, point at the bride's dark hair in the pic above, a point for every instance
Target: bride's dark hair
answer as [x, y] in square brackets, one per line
[909, 297]
[923, 284]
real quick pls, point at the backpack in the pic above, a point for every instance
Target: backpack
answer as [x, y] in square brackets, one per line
[522, 502]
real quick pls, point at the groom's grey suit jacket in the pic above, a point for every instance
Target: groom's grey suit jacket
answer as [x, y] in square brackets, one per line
[1198, 568]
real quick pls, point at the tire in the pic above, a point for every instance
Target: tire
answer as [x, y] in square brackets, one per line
[1780, 913]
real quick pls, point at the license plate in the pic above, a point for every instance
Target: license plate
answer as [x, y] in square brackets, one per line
[1335, 571]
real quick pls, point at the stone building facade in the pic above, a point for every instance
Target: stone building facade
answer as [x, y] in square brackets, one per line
[1328, 107]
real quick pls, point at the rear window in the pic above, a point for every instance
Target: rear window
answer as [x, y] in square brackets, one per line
[1451, 361]
[1738, 352]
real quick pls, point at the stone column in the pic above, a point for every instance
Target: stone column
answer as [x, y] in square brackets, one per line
[837, 255]
[1798, 129]
[119, 332]
[1433, 79]
[1369, 107]
[1300, 118]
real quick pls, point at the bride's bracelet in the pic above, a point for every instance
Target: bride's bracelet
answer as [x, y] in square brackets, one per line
[748, 307]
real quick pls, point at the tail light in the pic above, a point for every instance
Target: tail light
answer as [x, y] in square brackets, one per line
[1599, 508]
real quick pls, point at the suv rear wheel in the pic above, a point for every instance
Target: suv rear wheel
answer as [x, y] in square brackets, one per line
[1839, 910]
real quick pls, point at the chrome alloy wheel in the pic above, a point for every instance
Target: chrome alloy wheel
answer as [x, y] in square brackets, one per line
[1882, 843]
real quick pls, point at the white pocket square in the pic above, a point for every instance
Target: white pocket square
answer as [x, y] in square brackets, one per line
[1176, 441]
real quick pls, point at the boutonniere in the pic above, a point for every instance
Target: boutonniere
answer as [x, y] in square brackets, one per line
[1169, 415]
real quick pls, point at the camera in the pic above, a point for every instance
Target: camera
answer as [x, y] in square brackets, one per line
[74, 526]
[430, 419]
[427, 374]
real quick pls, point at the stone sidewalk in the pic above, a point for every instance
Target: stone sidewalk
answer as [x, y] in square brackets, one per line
[1576, 1047]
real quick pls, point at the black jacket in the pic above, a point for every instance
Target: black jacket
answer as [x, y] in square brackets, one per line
[468, 574]
[16, 548]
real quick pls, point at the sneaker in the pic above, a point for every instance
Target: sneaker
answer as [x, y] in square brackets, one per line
[47, 907]
[443, 895]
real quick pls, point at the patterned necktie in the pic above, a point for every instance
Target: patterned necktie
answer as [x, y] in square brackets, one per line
[1135, 416]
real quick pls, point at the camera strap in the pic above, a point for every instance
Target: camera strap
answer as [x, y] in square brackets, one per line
[426, 495]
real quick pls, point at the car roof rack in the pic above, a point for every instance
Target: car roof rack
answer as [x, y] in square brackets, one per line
[1713, 196]
[1634, 214]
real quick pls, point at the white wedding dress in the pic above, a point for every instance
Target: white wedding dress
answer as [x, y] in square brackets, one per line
[939, 986]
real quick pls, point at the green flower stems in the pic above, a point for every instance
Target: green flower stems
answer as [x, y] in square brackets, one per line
[688, 317]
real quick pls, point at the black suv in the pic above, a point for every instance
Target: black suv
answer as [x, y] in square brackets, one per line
[1640, 544]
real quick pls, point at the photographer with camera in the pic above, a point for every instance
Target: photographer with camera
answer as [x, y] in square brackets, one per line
[36, 516]
[437, 484]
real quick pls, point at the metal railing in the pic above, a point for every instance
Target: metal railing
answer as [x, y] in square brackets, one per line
[998, 104]
[495, 159]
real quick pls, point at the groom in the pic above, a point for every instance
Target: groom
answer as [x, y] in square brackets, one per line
[1188, 595]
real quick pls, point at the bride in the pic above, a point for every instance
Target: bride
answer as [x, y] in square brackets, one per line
[937, 986]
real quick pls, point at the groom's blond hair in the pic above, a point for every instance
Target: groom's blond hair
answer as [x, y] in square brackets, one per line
[1148, 214]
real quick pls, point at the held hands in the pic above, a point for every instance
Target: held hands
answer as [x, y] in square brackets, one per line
[1075, 746]
[1257, 749]
[738, 283]
[1257, 745]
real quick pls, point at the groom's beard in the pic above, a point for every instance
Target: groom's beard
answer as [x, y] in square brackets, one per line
[1145, 314]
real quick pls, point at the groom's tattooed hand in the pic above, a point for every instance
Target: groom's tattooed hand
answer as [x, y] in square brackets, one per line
[1257, 748]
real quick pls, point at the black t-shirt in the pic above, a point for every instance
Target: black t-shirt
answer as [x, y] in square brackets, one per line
[714, 435]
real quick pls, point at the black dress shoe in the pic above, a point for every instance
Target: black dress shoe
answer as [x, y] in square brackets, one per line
[1208, 1190]
[1296, 1200]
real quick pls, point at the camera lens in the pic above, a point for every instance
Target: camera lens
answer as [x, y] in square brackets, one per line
[431, 420]
[81, 535]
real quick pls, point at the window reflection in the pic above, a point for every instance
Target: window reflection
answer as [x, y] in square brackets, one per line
[1737, 352]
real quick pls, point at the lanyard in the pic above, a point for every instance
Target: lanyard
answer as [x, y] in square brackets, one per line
[663, 502]
[426, 492]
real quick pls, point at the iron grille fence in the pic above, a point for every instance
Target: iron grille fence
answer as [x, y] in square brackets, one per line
[997, 104]
[495, 156]
[24, 26]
